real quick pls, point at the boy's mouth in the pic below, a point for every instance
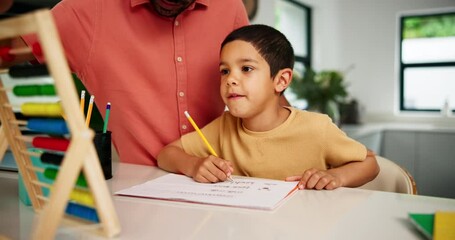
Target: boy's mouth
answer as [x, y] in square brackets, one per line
[235, 96]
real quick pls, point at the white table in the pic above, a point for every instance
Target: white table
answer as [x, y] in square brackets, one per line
[309, 214]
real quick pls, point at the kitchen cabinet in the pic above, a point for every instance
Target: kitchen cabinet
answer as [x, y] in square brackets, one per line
[427, 152]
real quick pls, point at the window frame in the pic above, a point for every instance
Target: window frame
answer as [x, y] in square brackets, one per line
[305, 60]
[403, 66]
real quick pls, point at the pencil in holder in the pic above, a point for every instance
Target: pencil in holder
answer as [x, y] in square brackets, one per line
[103, 145]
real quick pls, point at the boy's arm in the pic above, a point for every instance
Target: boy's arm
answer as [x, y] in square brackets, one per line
[352, 174]
[356, 174]
[173, 158]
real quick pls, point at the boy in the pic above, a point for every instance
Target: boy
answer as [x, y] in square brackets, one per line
[259, 138]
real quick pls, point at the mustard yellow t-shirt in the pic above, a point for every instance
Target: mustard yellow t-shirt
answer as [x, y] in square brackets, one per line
[305, 140]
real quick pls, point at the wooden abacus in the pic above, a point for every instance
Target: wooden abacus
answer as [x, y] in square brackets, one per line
[80, 154]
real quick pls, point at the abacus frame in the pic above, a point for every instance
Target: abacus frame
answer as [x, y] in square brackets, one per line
[81, 153]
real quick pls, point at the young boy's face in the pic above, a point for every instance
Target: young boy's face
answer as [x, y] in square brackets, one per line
[246, 85]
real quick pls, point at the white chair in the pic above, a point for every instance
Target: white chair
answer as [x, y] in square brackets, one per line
[391, 178]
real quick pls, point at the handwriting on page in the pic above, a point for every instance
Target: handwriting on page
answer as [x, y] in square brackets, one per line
[243, 192]
[230, 189]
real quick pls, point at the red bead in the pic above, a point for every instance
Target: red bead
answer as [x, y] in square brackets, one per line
[5, 55]
[36, 49]
[57, 144]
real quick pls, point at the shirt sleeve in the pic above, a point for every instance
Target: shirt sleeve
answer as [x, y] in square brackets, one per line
[341, 149]
[194, 145]
[241, 17]
[75, 22]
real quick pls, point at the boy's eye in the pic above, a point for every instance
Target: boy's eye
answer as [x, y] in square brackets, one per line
[247, 69]
[224, 71]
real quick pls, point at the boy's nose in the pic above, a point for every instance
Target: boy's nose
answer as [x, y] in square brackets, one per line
[232, 81]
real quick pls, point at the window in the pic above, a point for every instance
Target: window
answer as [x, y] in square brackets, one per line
[293, 19]
[427, 61]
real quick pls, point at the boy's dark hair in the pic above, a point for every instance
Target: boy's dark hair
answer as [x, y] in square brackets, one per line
[273, 46]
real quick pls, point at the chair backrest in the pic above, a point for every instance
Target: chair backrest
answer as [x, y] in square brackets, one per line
[391, 178]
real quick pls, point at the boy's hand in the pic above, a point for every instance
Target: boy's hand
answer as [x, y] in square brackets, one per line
[316, 179]
[212, 169]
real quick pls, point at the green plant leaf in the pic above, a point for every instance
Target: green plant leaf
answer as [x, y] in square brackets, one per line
[320, 88]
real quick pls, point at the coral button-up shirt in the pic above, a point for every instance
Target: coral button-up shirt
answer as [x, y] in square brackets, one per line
[150, 68]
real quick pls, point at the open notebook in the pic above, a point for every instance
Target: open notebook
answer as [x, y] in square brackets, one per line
[242, 192]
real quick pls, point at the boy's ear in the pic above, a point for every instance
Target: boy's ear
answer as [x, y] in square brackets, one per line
[283, 79]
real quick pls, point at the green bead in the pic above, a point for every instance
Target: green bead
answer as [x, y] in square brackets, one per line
[34, 90]
[25, 90]
[47, 90]
[51, 173]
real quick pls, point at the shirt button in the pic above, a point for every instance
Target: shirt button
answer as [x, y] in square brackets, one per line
[181, 94]
[184, 127]
[179, 59]
[176, 23]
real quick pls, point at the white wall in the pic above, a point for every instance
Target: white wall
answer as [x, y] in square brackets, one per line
[360, 34]
[265, 13]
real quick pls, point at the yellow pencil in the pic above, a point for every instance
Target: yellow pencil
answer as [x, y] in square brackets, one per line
[203, 137]
[82, 101]
[89, 111]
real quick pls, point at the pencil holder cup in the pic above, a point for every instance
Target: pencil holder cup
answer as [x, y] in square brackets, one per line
[103, 147]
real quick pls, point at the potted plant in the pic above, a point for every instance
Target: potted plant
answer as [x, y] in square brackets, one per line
[323, 91]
